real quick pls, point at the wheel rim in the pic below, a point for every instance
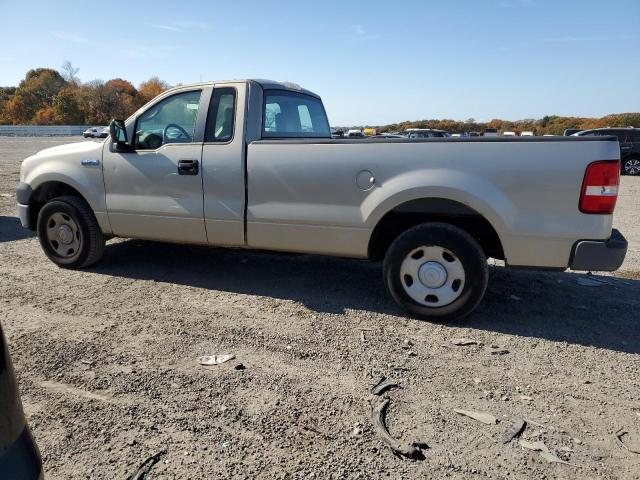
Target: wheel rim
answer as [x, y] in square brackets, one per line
[63, 235]
[432, 276]
[632, 167]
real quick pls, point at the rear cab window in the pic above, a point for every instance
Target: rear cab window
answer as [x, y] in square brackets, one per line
[293, 115]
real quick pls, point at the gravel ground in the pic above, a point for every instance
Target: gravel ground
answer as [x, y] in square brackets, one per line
[106, 360]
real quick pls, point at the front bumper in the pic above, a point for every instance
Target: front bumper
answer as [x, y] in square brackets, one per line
[599, 255]
[23, 195]
[23, 215]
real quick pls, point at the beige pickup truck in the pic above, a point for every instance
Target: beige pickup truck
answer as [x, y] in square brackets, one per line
[251, 164]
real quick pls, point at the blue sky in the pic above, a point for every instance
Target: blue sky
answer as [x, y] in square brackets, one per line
[372, 61]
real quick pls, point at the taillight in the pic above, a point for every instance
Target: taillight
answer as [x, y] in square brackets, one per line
[600, 187]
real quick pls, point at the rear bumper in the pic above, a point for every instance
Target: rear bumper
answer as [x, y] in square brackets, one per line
[599, 255]
[22, 459]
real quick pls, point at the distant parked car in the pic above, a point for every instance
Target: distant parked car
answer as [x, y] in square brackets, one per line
[527, 133]
[571, 131]
[490, 132]
[629, 139]
[388, 135]
[19, 456]
[96, 132]
[426, 133]
[509, 134]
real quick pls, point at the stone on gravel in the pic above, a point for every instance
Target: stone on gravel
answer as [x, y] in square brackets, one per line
[483, 417]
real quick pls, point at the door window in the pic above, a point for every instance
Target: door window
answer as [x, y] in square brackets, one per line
[293, 115]
[172, 120]
[220, 121]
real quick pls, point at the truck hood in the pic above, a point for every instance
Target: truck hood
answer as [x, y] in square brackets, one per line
[71, 148]
[57, 157]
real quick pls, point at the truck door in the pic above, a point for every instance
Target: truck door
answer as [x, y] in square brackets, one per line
[223, 166]
[155, 191]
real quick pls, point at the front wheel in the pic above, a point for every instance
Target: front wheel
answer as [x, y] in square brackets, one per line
[436, 271]
[631, 166]
[69, 233]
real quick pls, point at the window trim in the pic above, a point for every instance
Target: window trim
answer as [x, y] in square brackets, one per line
[235, 113]
[276, 91]
[195, 123]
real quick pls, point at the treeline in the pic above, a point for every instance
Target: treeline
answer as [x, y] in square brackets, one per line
[49, 97]
[549, 125]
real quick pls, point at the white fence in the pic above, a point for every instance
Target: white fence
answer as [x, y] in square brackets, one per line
[41, 130]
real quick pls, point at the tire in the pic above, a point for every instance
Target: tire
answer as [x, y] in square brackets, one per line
[69, 233]
[413, 268]
[631, 166]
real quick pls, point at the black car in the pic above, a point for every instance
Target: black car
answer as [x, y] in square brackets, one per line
[629, 139]
[570, 131]
[19, 455]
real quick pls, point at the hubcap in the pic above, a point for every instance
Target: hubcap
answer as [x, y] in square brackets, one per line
[432, 276]
[63, 235]
[632, 167]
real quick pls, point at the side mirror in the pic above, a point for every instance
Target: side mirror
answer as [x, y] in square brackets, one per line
[118, 133]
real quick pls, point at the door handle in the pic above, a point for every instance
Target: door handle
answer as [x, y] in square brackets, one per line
[188, 167]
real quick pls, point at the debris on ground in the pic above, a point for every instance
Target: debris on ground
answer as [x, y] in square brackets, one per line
[621, 433]
[398, 447]
[552, 458]
[535, 446]
[495, 350]
[517, 427]
[240, 366]
[215, 359]
[146, 466]
[382, 386]
[483, 417]
[526, 398]
[545, 453]
[464, 342]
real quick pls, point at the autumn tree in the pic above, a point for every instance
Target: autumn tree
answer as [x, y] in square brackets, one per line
[152, 88]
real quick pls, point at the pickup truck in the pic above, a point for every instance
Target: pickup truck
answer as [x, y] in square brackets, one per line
[251, 164]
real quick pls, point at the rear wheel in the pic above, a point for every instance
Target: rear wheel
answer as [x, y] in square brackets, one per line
[436, 271]
[631, 166]
[69, 233]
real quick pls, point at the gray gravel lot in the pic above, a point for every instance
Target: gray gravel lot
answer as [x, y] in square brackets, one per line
[106, 360]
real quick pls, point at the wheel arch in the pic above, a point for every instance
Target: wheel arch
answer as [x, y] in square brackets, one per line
[433, 209]
[49, 190]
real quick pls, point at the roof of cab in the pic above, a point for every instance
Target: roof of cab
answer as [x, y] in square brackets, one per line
[265, 84]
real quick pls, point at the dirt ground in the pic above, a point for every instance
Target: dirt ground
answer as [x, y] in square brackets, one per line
[107, 363]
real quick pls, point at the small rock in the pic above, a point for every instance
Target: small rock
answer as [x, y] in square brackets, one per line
[240, 366]
[411, 353]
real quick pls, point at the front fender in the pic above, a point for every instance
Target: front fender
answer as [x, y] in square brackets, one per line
[471, 191]
[64, 164]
